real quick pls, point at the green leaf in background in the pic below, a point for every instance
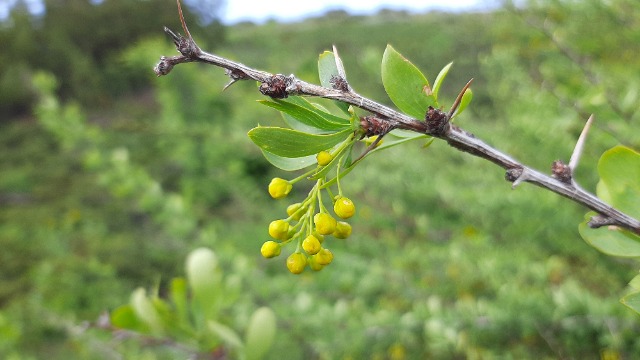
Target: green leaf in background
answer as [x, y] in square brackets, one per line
[466, 99]
[260, 333]
[226, 334]
[437, 84]
[145, 311]
[619, 170]
[292, 143]
[124, 317]
[179, 296]
[289, 164]
[327, 68]
[406, 86]
[632, 301]
[205, 278]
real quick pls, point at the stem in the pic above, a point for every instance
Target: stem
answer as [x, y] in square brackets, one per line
[279, 86]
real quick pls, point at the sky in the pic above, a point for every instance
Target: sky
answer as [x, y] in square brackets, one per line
[287, 10]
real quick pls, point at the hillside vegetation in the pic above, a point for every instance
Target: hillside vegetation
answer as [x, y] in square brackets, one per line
[110, 177]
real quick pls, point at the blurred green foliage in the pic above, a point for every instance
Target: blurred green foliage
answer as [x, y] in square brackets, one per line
[81, 43]
[117, 176]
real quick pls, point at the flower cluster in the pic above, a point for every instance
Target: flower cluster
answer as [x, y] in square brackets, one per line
[309, 223]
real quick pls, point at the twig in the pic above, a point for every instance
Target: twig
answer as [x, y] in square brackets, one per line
[436, 124]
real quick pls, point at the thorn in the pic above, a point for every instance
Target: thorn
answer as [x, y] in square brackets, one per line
[233, 81]
[456, 103]
[577, 151]
[184, 24]
[174, 37]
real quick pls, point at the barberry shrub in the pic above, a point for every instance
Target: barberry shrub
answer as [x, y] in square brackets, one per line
[326, 143]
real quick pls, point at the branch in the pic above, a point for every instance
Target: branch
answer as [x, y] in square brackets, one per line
[436, 124]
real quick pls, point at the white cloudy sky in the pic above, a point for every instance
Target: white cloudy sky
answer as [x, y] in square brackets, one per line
[258, 10]
[287, 10]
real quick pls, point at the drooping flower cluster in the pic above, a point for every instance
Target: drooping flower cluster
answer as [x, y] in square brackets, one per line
[309, 223]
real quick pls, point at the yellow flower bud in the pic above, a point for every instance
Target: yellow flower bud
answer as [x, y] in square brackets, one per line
[313, 263]
[296, 263]
[270, 249]
[325, 223]
[311, 245]
[344, 207]
[292, 210]
[279, 188]
[279, 229]
[343, 230]
[323, 257]
[324, 158]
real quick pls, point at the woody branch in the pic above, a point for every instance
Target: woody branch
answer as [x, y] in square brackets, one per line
[436, 124]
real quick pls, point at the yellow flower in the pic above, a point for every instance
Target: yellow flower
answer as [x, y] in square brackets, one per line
[279, 188]
[296, 263]
[325, 223]
[344, 207]
[270, 249]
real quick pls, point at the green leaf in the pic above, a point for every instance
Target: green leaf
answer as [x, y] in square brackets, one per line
[307, 114]
[292, 143]
[635, 283]
[437, 84]
[179, 297]
[226, 334]
[124, 317]
[612, 242]
[145, 311]
[632, 301]
[327, 68]
[289, 164]
[301, 101]
[205, 278]
[260, 333]
[464, 102]
[406, 86]
[619, 170]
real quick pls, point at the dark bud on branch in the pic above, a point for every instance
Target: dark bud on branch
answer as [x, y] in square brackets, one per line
[375, 126]
[339, 83]
[561, 171]
[276, 86]
[513, 174]
[436, 122]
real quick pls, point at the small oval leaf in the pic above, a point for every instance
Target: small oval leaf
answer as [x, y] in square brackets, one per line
[437, 84]
[328, 68]
[619, 170]
[292, 143]
[289, 164]
[464, 102]
[406, 86]
[226, 334]
[612, 242]
[306, 116]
